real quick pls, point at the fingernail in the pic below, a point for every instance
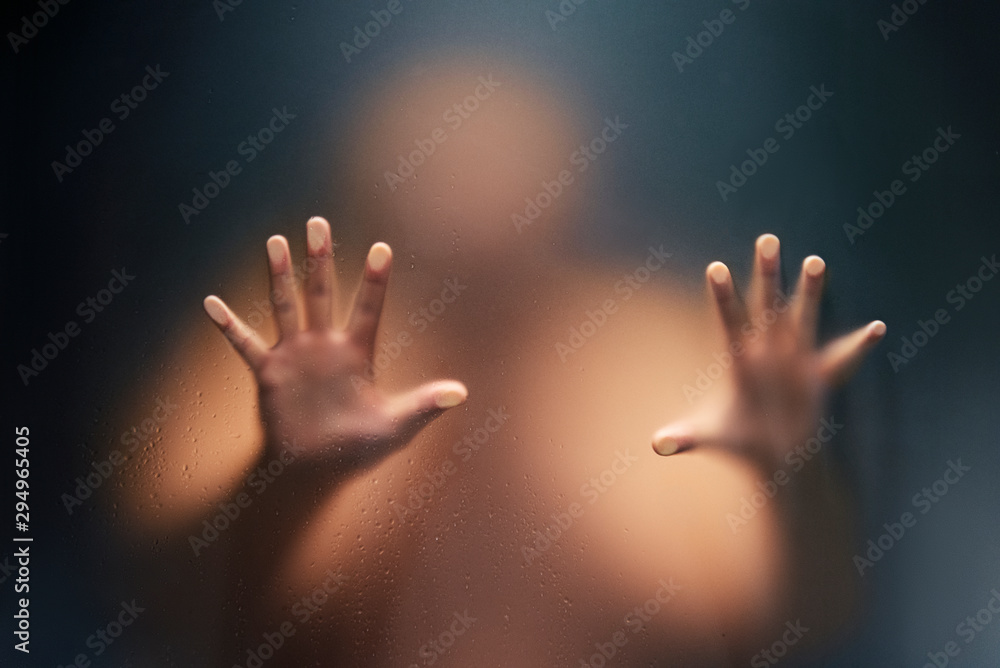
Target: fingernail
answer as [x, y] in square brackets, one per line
[718, 272]
[216, 311]
[878, 328]
[378, 256]
[768, 244]
[450, 398]
[666, 446]
[316, 233]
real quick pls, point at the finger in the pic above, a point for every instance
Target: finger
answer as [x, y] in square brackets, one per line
[414, 410]
[368, 304]
[807, 295]
[765, 283]
[731, 309]
[320, 286]
[246, 342]
[286, 309]
[841, 357]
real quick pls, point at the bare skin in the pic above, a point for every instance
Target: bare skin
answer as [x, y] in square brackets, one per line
[455, 579]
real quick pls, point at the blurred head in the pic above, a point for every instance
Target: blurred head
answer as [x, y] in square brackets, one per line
[445, 156]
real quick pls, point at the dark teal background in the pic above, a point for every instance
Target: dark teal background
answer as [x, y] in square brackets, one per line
[119, 208]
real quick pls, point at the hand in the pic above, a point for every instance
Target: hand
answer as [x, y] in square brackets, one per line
[308, 402]
[775, 389]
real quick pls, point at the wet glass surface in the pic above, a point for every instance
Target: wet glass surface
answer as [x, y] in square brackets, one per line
[553, 179]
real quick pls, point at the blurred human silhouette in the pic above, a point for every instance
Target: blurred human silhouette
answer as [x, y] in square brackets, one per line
[513, 514]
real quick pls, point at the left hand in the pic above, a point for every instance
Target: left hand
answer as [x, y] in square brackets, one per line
[771, 398]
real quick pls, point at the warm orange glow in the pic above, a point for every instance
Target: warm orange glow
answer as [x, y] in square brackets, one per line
[576, 414]
[479, 157]
[198, 454]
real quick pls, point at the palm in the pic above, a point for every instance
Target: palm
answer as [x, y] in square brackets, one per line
[306, 397]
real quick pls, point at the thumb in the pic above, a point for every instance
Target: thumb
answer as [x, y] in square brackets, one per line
[414, 409]
[689, 433]
[677, 437]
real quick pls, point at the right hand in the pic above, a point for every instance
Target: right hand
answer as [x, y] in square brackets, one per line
[308, 402]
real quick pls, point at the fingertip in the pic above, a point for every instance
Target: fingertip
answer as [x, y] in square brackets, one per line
[877, 329]
[277, 250]
[666, 446]
[718, 273]
[451, 395]
[216, 310]
[379, 256]
[768, 246]
[317, 234]
[666, 442]
[814, 266]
